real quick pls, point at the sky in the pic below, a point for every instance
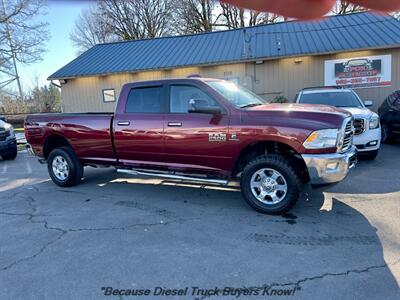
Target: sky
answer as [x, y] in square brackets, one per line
[61, 16]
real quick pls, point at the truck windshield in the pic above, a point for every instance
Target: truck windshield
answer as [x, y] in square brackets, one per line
[338, 99]
[237, 95]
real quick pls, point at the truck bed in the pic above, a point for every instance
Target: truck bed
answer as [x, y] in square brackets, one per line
[89, 134]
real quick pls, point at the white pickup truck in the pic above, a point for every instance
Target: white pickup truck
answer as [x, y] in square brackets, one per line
[367, 135]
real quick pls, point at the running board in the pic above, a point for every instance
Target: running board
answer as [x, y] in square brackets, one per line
[173, 176]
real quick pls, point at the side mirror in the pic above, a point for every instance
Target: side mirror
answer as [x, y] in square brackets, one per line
[201, 106]
[368, 103]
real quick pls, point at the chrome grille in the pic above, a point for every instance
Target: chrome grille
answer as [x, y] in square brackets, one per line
[348, 136]
[359, 126]
[3, 134]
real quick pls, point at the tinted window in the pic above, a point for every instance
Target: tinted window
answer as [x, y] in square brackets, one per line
[181, 95]
[338, 99]
[145, 100]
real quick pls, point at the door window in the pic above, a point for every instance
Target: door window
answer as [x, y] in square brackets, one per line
[180, 96]
[145, 100]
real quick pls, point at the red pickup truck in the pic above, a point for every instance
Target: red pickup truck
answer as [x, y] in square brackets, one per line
[203, 130]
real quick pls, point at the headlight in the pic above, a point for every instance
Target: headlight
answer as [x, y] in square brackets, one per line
[8, 127]
[326, 138]
[374, 121]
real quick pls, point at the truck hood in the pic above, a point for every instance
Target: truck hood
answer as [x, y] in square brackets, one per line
[292, 107]
[298, 116]
[359, 112]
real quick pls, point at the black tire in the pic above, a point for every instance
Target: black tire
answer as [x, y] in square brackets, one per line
[281, 165]
[387, 136]
[10, 156]
[370, 155]
[75, 168]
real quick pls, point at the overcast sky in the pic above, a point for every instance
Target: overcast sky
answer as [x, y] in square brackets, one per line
[61, 16]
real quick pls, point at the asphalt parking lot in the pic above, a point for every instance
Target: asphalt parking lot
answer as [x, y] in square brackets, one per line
[115, 231]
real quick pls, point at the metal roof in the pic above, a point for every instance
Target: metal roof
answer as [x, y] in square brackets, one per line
[332, 34]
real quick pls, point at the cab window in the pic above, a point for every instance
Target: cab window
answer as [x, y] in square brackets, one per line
[180, 96]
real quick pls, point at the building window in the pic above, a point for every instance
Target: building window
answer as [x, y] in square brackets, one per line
[109, 95]
[145, 100]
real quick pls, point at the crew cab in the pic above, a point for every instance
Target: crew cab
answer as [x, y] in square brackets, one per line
[203, 130]
[367, 133]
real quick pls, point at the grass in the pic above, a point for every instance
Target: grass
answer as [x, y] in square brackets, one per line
[19, 130]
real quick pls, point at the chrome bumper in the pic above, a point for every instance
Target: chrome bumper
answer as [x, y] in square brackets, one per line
[330, 168]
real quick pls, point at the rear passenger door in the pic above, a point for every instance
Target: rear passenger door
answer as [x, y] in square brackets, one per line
[139, 127]
[195, 141]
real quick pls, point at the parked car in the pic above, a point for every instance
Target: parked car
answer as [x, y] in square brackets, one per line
[8, 142]
[203, 130]
[367, 134]
[389, 112]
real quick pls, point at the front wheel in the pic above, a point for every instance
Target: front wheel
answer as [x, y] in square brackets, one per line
[64, 167]
[387, 137]
[270, 185]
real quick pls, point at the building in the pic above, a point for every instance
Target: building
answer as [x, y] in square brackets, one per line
[359, 50]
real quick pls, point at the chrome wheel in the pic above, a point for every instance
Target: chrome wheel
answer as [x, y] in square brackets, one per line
[268, 186]
[60, 168]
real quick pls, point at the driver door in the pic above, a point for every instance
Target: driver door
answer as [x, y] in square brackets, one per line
[195, 141]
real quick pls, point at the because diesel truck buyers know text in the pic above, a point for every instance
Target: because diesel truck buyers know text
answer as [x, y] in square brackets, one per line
[203, 130]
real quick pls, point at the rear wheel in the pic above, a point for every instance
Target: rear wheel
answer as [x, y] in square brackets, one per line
[64, 167]
[270, 185]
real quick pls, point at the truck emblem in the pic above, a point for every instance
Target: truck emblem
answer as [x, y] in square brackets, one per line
[216, 137]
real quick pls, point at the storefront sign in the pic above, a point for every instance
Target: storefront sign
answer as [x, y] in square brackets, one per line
[359, 72]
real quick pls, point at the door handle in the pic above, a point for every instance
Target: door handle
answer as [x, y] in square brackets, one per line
[174, 124]
[124, 123]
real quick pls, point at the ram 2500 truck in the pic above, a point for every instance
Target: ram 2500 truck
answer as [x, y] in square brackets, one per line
[203, 130]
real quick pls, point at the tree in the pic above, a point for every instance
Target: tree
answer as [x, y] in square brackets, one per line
[234, 17]
[196, 16]
[22, 37]
[345, 7]
[91, 29]
[46, 98]
[137, 19]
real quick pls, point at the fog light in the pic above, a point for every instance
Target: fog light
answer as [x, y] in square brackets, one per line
[332, 167]
[372, 143]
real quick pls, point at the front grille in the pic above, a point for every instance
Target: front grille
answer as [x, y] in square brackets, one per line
[348, 136]
[3, 134]
[359, 126]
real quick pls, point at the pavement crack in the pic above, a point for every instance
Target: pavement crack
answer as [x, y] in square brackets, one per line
[297, 284]
[62, 231]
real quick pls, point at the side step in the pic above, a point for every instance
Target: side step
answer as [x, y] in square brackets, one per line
[173, 176]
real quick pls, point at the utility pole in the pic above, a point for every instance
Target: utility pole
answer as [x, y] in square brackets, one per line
[13, 54]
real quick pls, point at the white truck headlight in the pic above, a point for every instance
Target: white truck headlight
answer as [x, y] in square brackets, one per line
[374, 121]
[320, 139]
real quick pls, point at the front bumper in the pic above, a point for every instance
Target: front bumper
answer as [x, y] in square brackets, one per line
[362, 141]
[330, 168]
[8, 146]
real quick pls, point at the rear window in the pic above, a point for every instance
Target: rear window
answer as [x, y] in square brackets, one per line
[145, 100]
[338, 99]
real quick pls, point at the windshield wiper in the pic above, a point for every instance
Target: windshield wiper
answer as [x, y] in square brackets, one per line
[250, 105]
